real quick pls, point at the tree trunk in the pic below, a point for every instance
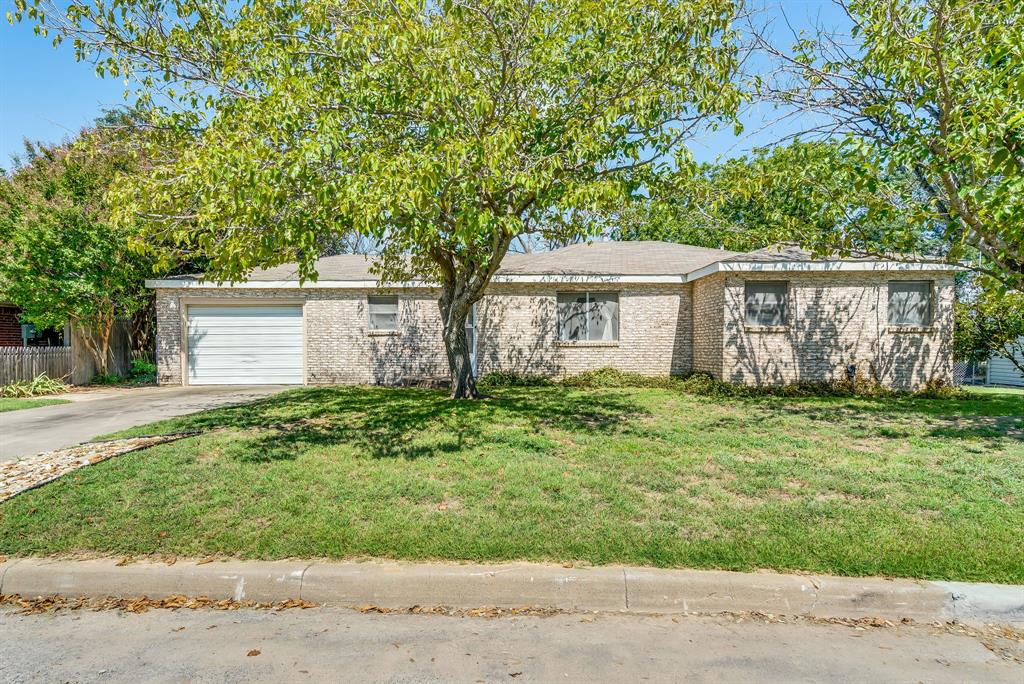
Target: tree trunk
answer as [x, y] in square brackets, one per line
[98, 344]
[454, 312]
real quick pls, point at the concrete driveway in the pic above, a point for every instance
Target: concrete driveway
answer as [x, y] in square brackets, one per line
[98, 412]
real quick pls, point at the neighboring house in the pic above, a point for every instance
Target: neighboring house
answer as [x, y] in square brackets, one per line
[14, 333]
[10, 325]
[1001, 370]
[771, 316]
[58, 352]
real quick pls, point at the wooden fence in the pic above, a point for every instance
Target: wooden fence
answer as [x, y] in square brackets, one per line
[25, 363]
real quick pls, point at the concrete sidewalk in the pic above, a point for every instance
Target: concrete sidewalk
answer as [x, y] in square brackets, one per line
[606, 588]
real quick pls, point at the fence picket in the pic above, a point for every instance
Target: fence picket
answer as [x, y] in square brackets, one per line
[25, 363]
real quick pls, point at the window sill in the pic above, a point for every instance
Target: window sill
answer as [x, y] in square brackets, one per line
[382, 333]
[584, 343]
[766, 328]
[910, 329]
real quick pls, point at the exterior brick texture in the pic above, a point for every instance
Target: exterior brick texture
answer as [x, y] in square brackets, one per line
[835, 320]
[708, 324]
[518, 332]
[10, 326]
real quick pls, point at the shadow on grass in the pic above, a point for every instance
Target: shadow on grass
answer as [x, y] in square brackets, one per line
[992, 418]
[382, 422]
[404, 423]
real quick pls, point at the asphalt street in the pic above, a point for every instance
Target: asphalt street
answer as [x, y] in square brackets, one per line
[323, 644]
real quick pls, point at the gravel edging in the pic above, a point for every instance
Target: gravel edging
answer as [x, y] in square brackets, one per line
[30, 472]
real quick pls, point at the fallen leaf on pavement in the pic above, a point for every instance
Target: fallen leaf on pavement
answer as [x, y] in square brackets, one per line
[253, 652]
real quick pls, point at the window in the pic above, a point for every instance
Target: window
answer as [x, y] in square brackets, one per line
[384, 313]
[588, 316]
[767, 302]
[910, 303]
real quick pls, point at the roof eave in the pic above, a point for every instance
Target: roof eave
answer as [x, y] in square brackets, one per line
[578, 278]
[817, 266]
[540, 278]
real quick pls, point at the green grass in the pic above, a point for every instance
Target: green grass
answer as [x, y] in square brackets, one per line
[854, 486]
[7, 404]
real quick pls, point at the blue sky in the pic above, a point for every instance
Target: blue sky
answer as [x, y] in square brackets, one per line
[46, 95]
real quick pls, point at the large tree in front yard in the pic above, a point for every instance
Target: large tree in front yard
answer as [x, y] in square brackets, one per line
[442, 130]
[61, 258]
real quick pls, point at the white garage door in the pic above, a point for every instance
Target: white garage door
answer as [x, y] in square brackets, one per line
[245, 345]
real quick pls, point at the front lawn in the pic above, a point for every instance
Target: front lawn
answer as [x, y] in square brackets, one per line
[895, 486]
[8, 404]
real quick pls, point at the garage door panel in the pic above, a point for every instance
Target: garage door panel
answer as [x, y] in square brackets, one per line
[229, 344]
[245, 345]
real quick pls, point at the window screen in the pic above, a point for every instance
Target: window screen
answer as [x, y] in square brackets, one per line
[910, 303]
[588, 316]
[384, 313]
[766, 302]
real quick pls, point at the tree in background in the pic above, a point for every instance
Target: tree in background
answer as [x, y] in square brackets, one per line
[440, 130]
[990, 322]
[63, 260]
[934, 90]
[810, 193]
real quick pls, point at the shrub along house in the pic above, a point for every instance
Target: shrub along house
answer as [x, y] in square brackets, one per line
[771, 316]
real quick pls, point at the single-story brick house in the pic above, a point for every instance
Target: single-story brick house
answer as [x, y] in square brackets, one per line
[770, 316]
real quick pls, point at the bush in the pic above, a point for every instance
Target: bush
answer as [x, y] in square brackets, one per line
[702, 384]
[937, 388]
[611, 377]
[143, 371]
[37, 387]
[106, 379]
[510, 379]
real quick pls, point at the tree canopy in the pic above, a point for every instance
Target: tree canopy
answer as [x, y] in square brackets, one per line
[64, 260]
[441, 130]
[934, 90]
[811, 193]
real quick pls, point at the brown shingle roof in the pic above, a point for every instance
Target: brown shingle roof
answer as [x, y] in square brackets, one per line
[643, 257]
[783, 253]
[639, 258]
[594, 258]
[340, 267]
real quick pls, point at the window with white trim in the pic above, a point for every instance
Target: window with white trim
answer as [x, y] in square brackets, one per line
[910, 303]
[588, 316]
[767, 302]
[383, 312]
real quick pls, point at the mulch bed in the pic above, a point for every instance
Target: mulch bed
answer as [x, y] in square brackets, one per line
[34, 471]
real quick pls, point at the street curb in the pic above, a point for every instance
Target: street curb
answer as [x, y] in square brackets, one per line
[604, 588]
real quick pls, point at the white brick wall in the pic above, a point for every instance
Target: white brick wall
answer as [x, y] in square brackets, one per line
[516, 332]
[708, 324]
[836, 319]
